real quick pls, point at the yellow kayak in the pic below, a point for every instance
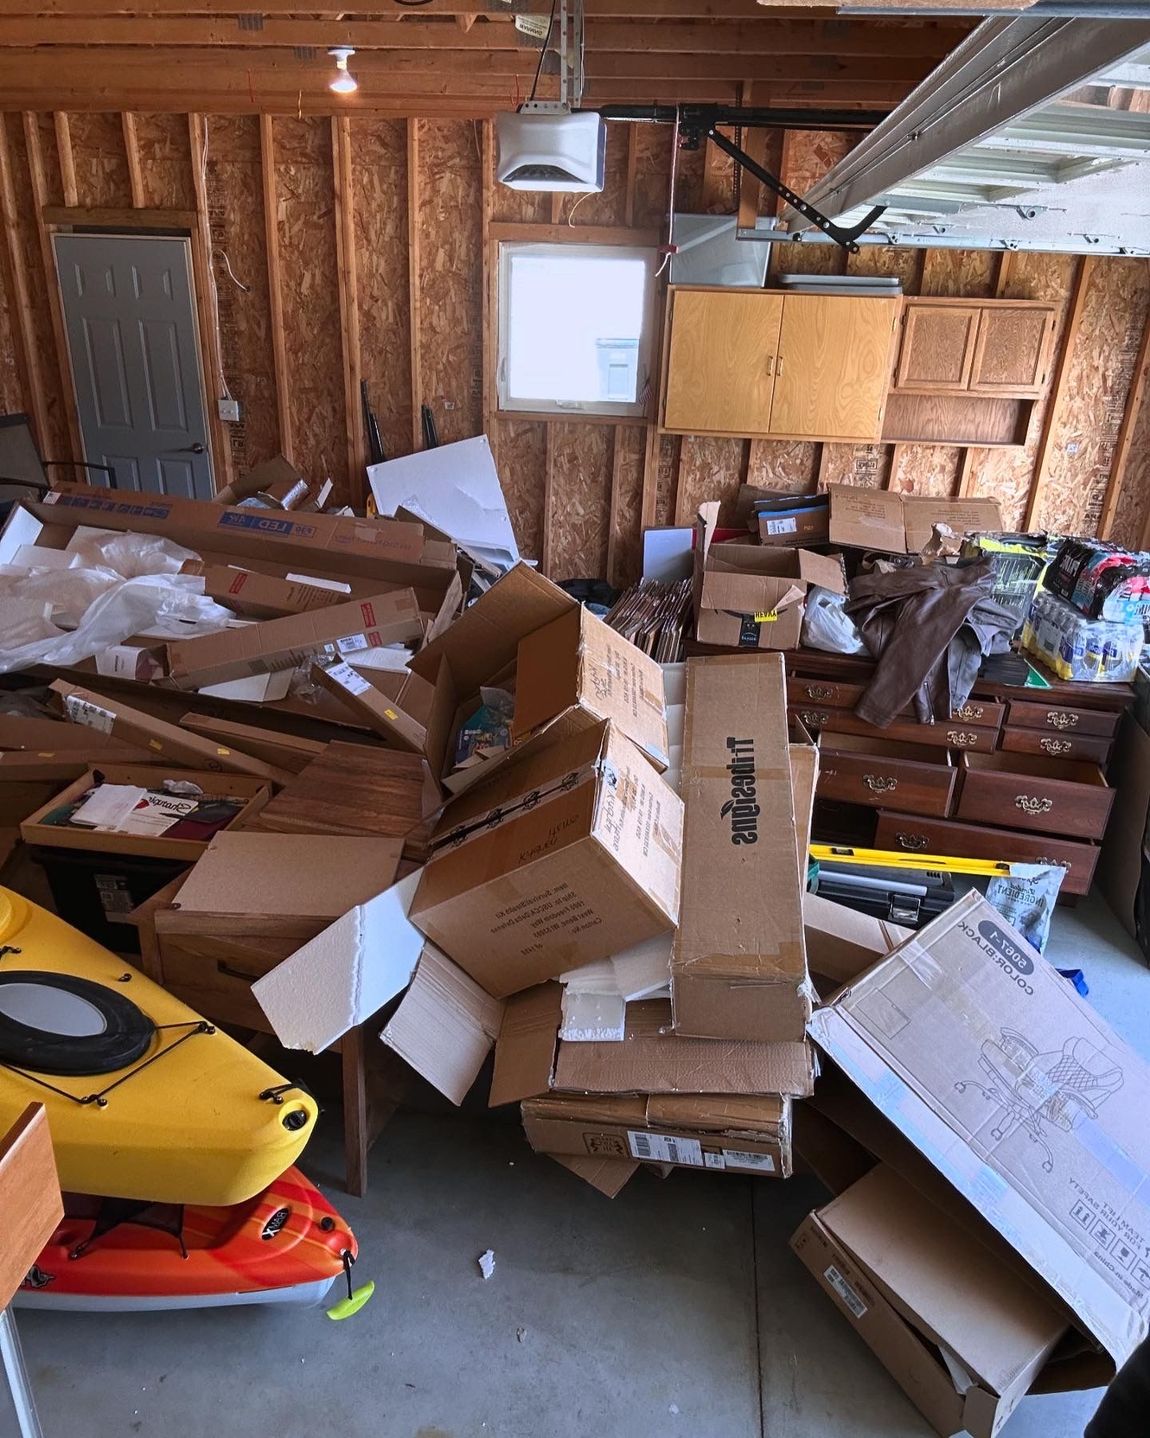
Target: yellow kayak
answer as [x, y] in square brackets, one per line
[144, 1098]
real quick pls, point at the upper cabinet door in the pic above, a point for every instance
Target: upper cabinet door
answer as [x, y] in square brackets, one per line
[938, 347]
[721, 361]
[1012, 352]
[834, 364]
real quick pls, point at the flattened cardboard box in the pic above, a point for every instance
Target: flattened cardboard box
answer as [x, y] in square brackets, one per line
[283, 643]
[738, 966]
[261, 596]
[387, 549]
[751, 596]
[165, 741]
[568, 855]
[564, 663]
[1021, 1096]
[652, 1059]
[750, 1135]
[902, 524]
[370, 704]
[964, 1337]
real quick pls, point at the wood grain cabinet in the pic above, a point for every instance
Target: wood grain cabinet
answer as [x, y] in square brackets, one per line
[745, 362]
[987, 347]
[878, 772]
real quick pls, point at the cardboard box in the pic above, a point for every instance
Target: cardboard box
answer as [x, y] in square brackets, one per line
[963, 1336]
[804, 757]
[843, 943]
[384, 549]
[54, 735]
[994, 1067]
[568, 855]
[608, 1176]
[792, 519]
[285, 751]
[34, 830]
[652, 1059]
[736, 1135]
[283, 643]
[750, 596]
[371, 705]
[166, 741]
[902, 523]
[564, 664]
[261, 596]
[738, 967]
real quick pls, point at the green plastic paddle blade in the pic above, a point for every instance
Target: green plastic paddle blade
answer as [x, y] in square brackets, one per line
[346, 1307]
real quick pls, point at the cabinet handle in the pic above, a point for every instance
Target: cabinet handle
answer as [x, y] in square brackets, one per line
[230, 973]
[819, 691]
[778, 364]
[770, 365]
[961, 738]
[970, 712]
[1059, 719]
[880, 783]
[1030, 805]
[1054, 746]
[813, 717]
[911, 841]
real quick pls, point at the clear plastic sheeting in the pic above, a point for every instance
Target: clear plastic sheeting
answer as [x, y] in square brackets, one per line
[115, 586]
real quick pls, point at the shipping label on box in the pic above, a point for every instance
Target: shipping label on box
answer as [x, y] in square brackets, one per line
[738, 968]
[1010, 1083]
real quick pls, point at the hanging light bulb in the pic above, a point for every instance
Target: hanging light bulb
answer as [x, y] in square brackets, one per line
[344, 82]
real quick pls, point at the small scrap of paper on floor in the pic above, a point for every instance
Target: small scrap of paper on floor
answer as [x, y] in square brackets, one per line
[486, 1263]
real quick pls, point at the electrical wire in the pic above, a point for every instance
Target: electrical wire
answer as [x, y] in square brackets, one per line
[542, 50]
[575, 206]
[235, 279]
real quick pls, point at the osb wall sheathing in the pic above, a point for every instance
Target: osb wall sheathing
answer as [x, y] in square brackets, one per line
[239, 266]
[598, 483]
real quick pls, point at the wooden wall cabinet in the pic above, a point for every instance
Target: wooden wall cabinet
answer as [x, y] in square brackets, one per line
[757, 363]
[969, 371]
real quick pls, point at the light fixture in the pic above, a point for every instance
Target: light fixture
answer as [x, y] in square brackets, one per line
[344, 82]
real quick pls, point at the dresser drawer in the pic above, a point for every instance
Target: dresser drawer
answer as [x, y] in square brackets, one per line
[819, 718]
[215, 976]
[827, 693]
[986, 713]
[908, 834]
[858, 770]
[1060, 720]
[1030, 791]
[1091, 748]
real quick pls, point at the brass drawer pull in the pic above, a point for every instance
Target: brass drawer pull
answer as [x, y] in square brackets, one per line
[813, 717]
[963, 738]
[819, 691]
[1055, 863]
[970, 712]
[1059, 719]
[230, 973]
[1030, 805]
[1055, 746]
[880, 783]
[911, 841]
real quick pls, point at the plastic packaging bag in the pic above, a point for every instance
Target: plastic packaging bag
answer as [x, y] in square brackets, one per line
[129, 555]
[825, 626]
[1027, 899]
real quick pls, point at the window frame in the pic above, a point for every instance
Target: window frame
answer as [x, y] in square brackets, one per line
[635, 410]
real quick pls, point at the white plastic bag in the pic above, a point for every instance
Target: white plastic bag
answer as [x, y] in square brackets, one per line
[825, 626]
[129, 555]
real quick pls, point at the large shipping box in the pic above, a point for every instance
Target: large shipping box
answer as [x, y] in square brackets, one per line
[902, 523]
[738, 967]
[568, 855]
[962, 1334]
[1022, 1098]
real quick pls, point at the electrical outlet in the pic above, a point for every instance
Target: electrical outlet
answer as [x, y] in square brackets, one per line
[230, 410]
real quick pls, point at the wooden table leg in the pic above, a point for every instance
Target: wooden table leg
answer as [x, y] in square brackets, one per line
[355, 1133]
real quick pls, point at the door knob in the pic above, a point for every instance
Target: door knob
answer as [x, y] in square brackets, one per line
[189, 449]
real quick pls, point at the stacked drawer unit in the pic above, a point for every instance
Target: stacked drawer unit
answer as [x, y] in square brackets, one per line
[1003, 779]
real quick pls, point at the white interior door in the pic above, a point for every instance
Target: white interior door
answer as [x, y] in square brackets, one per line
[129, 314]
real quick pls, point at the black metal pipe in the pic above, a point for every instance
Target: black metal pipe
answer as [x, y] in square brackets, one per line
[750, 117]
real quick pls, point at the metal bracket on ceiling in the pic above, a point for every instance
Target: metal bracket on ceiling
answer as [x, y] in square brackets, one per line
[847, 238]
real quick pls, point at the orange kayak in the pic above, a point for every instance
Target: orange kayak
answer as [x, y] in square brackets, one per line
[286, 1245]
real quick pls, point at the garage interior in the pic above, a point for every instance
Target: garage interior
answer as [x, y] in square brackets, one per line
[350, 275]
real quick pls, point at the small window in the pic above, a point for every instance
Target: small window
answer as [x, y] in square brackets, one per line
[574, 328]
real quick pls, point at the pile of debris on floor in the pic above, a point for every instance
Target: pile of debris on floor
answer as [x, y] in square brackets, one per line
[404, 788]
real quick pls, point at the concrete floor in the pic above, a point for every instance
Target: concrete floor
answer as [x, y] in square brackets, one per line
[677, 1308]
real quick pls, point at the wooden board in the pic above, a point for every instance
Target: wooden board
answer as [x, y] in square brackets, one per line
[708, 469]
[349, 789]
[30, 1202]
[100, 162]
[580, 500]
[379, 150]
[235, 222]
[303, 163]
[165, 161]
[624, 536]
[450, 276]
[522, 470]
